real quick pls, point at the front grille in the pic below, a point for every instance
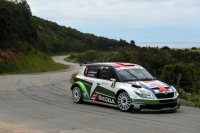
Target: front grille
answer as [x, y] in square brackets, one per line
[161, 106]
[156, 88]
[164, 95]
[166, 101]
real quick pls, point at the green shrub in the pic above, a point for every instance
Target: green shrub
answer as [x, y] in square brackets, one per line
[196, 100]
[73, 56]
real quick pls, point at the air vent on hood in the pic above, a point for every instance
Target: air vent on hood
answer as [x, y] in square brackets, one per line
[136, 86]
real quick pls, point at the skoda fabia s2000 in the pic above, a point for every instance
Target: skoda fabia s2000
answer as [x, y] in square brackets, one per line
[124, 85]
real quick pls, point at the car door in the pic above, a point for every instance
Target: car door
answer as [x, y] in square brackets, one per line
[102, 89]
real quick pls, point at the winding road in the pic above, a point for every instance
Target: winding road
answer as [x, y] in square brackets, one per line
[42, 103]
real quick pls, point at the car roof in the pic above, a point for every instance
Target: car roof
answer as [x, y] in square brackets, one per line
[113, 64]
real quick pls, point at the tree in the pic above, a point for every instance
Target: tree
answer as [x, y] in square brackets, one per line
[170, 73]
[165, 48]
[122, 42]
[16, 22]
[193, 48]
[132, 42]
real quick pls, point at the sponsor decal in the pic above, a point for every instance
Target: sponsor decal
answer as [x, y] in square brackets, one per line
[87, 84]
[106, 99]
[139, 103]
[95, 96]
[163, 89]
[93, 72]
[132, 82]
[104, 83]
[154, 85]
[102, 98]
[90, 75]
[146, 87]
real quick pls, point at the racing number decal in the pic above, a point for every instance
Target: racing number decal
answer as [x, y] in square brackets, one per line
[113, 84]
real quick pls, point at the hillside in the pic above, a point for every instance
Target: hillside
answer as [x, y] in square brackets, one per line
[18, 25]
[55, 38]
[24, 35]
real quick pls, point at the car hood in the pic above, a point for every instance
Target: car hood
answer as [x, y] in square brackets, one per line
[154, 86]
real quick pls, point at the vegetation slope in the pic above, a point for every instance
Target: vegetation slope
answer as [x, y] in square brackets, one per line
[26, 41]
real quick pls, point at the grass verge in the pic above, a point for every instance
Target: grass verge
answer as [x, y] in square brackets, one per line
[29, 63]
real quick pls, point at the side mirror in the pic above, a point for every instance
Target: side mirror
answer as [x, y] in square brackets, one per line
[112, 79]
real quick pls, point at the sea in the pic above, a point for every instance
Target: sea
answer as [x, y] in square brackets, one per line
[178, 45]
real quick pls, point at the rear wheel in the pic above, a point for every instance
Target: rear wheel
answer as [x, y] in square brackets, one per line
[77, 95]
[123, 101]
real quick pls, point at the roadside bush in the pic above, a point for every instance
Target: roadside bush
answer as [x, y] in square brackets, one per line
[196, 100]
[73, 57]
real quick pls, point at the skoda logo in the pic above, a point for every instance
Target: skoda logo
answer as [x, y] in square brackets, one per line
[165, 92]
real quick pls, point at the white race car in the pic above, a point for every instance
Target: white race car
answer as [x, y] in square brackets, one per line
[125, 85]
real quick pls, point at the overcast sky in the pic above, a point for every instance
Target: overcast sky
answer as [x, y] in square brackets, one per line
[138, 20]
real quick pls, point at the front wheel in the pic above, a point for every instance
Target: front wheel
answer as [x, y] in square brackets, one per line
[77, 95]
[123, 101]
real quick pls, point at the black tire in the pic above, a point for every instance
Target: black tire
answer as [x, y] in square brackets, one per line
[135, 110]
[124, 101]
[77, 95]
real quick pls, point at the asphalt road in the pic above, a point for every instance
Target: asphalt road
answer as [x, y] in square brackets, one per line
[42, 103]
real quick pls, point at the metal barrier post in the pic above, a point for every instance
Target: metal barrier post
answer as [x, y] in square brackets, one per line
[178, 82]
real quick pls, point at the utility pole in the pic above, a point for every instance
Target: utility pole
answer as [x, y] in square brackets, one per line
[178, 82]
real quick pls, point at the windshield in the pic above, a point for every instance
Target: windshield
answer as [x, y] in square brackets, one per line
[134, 74]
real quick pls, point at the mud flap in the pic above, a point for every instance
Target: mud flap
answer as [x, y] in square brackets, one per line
[135, 110]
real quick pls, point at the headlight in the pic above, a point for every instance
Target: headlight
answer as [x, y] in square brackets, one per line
[176, 94]
[144, 94]
[175, 91]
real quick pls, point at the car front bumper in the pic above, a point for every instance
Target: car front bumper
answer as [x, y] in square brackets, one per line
[159, 110]
[163, 105]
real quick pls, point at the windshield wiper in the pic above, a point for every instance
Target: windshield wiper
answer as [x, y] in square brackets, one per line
[145, 79]
[130, 80]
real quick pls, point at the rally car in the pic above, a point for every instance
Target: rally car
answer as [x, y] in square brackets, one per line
[124, 85]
